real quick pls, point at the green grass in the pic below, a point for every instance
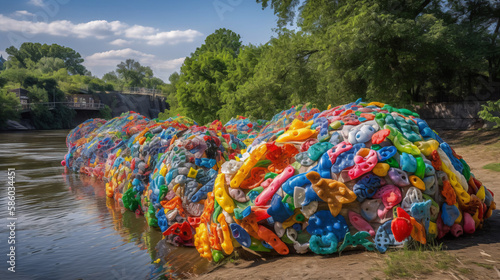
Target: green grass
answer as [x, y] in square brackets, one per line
[464, 270]
[413, 261]
[233, 258]
[487, 266]
[492, 166]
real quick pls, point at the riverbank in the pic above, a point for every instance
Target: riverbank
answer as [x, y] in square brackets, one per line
[474, 256]
[445, 115]
[20, 125]
[149, 106]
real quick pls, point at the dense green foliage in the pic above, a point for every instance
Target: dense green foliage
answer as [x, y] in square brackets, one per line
[35, 63]
[339, 50]
[131, 74]
[203, 75]
[44, 118]
[170, 90]
[34, 53]
[41, 115]
[8, 106]
[491, 112]
[390, 51]
[105, 113]
[49, 72]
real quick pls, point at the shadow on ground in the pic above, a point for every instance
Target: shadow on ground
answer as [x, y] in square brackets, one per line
[469, 137]
[489, 234]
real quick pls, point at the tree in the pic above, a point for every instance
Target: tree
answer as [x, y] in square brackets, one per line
[33, 52]
[71, 58]
[199, 86]
[98, 85]
[171, 88]
[170, 92]
[112, 81]
[283, 74]
[49, 64]
[47, 72]
[28, 50]
[284, 9]
[222, 39]
[9, 104]
[133, 73]
[37, 95]
[111, 77]
[3, 81]
[204, 73]
[153, 83]
[479, 23]
[396, 50]
[15, 75]
[232, 93]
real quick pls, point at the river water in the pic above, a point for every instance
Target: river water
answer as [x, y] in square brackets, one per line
[66, 227]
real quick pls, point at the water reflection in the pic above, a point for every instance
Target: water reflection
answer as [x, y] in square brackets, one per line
[69, 229]
[174, 262]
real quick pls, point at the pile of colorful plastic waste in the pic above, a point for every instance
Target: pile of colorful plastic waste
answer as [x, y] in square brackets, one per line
[360, 174]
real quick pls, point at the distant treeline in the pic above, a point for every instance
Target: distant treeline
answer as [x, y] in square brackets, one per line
[390, 51]
[49, 72]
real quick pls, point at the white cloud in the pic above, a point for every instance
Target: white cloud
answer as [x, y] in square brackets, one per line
[172, 37]
[23, 13]
[155, 37]
[168, 64]
[99, 29]
[109, 60]
[139, 31]
[38, 3]
[114, 57]
[119, 42]
[4, 54]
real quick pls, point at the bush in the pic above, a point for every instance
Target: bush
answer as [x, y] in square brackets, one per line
[105, 113]
[41, 116]
[8, 107]
[58, 118]
[491, 112]
[63, 117]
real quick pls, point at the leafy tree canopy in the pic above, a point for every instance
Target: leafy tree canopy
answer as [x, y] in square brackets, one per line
[203, 75]
[31, 53]
[221, 40]
[131, 73]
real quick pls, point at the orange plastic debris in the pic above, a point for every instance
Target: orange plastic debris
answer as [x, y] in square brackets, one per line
[448, 193]
[418, 231]
[272, 239]
[380, 136]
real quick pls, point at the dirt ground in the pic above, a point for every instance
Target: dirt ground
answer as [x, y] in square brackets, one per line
[472, 256]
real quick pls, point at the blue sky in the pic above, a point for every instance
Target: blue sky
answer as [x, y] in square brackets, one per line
[158, 33]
